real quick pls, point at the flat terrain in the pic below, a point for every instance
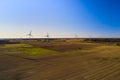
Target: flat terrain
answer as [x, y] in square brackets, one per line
[71, 60]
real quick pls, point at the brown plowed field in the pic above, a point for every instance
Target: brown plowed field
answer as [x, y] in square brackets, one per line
[92, 61]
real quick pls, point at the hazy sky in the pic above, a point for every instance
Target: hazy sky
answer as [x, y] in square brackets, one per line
[60, 18]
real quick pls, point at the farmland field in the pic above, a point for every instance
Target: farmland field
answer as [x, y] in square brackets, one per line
[70, 60]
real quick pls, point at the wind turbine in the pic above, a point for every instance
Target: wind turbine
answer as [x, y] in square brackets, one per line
[90, 37]
[76, 36]
[47, 37]
[30, 34]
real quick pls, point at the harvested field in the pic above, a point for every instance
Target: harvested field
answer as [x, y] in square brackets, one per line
[62, 46]
[93, 61]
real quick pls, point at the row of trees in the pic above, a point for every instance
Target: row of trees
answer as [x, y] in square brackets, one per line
[103, 39]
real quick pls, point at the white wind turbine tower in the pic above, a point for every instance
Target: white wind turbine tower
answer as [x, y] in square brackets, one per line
[47, 37]
[76, 36]
[90, 37]
[30, 34]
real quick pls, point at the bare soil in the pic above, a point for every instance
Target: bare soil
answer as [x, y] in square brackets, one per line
[72, 64]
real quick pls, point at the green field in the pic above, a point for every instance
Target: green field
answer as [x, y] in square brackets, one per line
[28, 49]
[70, 60]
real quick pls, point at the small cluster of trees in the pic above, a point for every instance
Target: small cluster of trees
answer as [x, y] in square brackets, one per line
[7, 42]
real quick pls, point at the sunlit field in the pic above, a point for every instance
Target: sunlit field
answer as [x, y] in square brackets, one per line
[59, 60]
